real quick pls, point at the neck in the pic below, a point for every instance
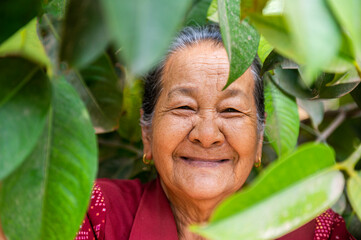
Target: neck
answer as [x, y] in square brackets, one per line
[189, 211]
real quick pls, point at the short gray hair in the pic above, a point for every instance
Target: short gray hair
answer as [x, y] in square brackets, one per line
[185, 38]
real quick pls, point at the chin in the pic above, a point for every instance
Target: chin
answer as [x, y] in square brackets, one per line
[202, 187]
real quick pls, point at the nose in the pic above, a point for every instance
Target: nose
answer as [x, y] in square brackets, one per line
[206, 132]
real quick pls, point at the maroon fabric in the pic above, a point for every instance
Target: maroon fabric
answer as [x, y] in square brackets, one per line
[127, 209]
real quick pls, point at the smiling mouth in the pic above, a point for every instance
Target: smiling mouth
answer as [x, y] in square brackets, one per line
[199, 162]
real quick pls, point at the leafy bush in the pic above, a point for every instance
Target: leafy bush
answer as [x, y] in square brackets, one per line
[69, 67]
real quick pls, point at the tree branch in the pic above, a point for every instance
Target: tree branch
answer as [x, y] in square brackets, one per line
[332, 127]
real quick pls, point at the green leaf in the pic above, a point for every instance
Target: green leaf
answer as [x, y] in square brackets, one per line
[272, 61]
[312, 18]
[212, 13]
[129, 121]
[47, 197]
[354, 192]
[27, 44]
[252, 6]
[290, 81]
[101, 91]
[240, 38]
[197, 16]
[14, 14]
[338, 90]
[144, 29]
[85, 35]
[356, 95]
[348, 13]
[264, 49]
[55, 7]
[274, 7]
[283, 212]
[285, 201]
[25, 96]
[314, 108]
[282, 123]
[276, 32]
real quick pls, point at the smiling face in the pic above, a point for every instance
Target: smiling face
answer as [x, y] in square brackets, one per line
[203, 140]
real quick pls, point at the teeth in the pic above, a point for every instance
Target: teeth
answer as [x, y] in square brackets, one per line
[222, 160]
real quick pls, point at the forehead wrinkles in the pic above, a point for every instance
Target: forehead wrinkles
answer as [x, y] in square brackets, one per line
[203, 60]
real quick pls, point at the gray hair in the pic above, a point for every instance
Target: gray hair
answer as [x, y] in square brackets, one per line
[188, 37]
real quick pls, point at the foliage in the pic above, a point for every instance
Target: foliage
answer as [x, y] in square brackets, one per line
[69, 67]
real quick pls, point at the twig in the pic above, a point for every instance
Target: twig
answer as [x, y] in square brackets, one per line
[332, 127]
[309, 129]
[51, 26]
[355, 157]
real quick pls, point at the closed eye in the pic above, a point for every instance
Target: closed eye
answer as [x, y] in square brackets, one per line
[230, 110]
[185, 108]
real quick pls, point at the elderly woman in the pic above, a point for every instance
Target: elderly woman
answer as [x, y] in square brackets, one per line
[203, 141]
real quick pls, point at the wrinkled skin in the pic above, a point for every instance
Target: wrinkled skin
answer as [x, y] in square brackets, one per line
[204, 141]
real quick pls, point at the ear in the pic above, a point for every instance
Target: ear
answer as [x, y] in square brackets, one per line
[146, 138]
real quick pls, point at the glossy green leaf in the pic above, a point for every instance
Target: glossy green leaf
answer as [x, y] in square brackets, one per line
[276, 32]
[144, 29]
[25, 96]
[240, 39]
[314, 109]
[282, 123]
[101, 91]
[312, 18]
[55, 7]
[285, 201]
[274, 7]
[212, 13]
[264, 49]
[291, 82]
[85, 35]
[197, 16]
[354, 192]
[348, 12]
[356, 95]
[14, 14]
[252, 6]
[130, 115]
[27, 44]
[47, 196]
[338, 90]
[275, 60]
[282, 213]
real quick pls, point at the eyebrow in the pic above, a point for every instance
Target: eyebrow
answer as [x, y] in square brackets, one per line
[233, 93]
[187, 91]
[190, 91]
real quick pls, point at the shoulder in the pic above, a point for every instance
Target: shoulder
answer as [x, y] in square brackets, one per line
[112, 201]
[128, 191]
[327, 226]
[331, 225]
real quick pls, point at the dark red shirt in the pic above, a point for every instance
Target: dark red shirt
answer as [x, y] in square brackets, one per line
[127, 209]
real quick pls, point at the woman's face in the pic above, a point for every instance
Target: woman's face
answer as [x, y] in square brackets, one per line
[203, 140]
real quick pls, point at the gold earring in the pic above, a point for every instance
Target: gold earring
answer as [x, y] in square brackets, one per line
[146, 161]
[258, 163]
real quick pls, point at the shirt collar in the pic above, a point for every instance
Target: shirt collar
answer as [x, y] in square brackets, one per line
[154, 218]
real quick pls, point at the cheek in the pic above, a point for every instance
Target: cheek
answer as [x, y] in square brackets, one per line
[241, 134]
[168, 132]
[242, 137]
